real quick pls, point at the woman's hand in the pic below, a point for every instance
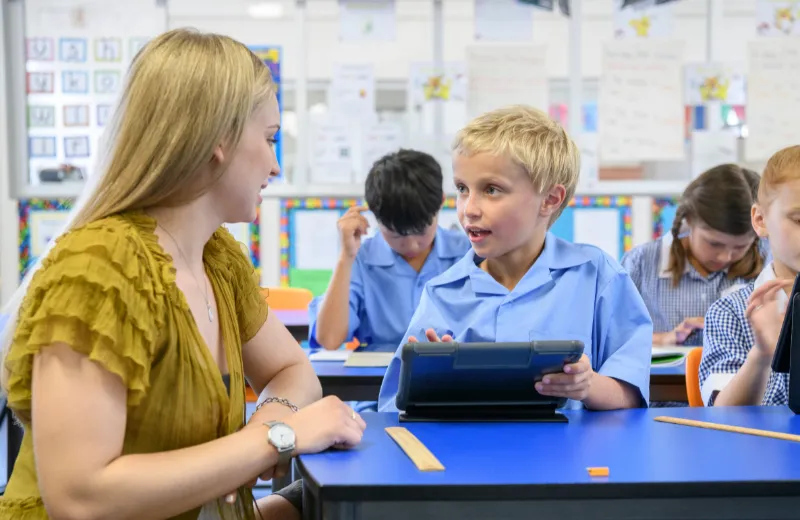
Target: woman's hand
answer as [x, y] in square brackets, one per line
[327, 423]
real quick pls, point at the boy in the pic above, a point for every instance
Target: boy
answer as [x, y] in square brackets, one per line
[515, 170]
[742, 328]
[377, 285]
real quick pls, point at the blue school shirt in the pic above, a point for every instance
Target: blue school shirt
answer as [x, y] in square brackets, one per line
[385, 290]
[572, 292]
[728, 340]
[648, 266]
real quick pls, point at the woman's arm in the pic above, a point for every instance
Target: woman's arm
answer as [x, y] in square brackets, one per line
[78, 440]
[275, 363]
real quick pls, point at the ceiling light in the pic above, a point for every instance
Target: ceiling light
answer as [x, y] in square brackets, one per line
[265, 10]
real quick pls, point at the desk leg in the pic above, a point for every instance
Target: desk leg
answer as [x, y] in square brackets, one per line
[14, 441]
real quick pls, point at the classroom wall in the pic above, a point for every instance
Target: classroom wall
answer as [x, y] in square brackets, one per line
[414, 33]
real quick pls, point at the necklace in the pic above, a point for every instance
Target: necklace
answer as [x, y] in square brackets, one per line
[204, 292]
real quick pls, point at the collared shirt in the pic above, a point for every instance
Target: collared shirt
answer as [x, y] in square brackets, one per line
[729, 338]
[572, 292]
[385, 289]
[668, 305]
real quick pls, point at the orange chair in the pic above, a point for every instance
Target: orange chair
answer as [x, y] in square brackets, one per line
[287, 298]
[693, 376]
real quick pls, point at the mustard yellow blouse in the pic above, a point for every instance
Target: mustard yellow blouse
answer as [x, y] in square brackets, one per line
[108, 290]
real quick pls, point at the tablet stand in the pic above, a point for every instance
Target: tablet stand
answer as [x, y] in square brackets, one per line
[488, 413]
[787, 351]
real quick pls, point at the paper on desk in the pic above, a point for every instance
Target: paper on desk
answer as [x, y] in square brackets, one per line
[369, 359]
[598, 227]
[315, 240]
[661, 353]
[330, 355]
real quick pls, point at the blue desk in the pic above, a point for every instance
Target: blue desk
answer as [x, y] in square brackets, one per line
[515, 471]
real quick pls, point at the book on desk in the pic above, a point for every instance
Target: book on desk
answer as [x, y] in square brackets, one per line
[362, 356]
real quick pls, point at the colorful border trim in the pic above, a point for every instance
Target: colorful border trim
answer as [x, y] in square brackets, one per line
[24, 209]
[255, 242]
[658, 210]
[623, 203]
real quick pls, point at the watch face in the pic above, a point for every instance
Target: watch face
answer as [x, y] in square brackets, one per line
[281, 436]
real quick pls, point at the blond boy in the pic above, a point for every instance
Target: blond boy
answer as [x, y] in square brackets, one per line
[515, 170]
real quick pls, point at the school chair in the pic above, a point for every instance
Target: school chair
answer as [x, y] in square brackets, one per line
[287, 298]
[693, 376]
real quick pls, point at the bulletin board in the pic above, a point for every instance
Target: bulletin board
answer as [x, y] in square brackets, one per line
[605, 222]
[72, 84]
[663, 215]
[271, 56]
[309, 241]
[39, 220]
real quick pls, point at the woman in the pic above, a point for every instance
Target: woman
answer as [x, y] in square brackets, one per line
[711, 251]
[134, 336]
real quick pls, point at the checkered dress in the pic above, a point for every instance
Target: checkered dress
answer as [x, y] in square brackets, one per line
[727, 340]
[668, 305]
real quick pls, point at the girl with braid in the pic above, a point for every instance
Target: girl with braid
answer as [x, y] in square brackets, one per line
[712, 250]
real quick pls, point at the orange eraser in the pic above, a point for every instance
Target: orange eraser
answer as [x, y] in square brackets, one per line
[597, 472]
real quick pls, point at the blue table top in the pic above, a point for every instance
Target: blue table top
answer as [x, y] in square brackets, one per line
[337, 369]
[549, 460]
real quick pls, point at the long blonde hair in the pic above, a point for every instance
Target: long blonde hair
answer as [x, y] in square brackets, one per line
[185, 94]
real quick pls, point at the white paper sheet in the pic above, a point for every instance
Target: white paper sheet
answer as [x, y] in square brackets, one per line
[714, 82]
[315, 239]
[330, 355]
[598, 227]
[331, 151]
[503, 21]
[778, 18]
[377, 140]
[640, 109]
[773, 90]
[711, 148]
[499, 75]
[351, 95]
[367, 20]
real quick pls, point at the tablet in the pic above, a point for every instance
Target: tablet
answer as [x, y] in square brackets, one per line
[786, 359]
[481, 381]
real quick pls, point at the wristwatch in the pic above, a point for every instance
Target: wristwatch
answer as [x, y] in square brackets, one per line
[282, 436]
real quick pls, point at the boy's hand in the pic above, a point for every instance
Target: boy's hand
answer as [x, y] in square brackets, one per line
[766, 317]
[432, 337]
[352, 226]
[573, 383]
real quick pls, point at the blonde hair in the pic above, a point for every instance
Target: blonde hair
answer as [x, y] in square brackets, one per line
[529, 138]
[783, 166]
[186, 93]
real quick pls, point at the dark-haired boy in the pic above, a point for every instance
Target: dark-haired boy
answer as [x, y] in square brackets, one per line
[377, 285]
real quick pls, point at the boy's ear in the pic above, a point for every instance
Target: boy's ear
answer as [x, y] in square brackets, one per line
[553, 200]
[757, 218]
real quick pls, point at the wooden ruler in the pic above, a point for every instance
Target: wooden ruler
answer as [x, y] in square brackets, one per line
[732, 429]
[419, 454]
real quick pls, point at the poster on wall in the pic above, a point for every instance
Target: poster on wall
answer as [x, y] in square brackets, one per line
[714, 82]
[642, 20]
[40, 221]
[503, 21]
[778, 18]
[367, 21]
